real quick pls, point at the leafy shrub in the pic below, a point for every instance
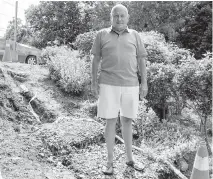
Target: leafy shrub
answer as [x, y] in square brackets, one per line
[84, 42]
[163, 60]
[159, 51]
[161, 87]
[70, 73]
[195, 82]
[51, 51]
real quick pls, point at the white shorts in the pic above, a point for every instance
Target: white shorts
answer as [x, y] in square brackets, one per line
[113, 99]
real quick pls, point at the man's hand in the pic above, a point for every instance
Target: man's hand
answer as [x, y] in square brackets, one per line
[143, 90]
[94, 89]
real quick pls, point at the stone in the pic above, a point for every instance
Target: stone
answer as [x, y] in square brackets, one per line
[183, 165]
[41, 155]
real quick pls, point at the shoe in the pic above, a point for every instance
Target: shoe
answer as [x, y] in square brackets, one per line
[108, 170]
[137, 166]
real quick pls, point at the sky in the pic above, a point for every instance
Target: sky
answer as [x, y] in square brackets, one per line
[7, 12]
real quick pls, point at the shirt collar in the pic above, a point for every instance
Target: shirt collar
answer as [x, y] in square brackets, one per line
[113, 30]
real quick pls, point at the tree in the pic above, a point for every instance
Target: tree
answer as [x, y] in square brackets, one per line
[101, 14]
[163, 16]
[55, 21]
[194, 79]
[160, 84]
[166, 17]
[22, 31]
[197, 33]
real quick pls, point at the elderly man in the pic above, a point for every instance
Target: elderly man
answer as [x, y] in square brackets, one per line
[121, 52]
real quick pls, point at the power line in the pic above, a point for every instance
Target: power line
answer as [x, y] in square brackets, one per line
[4, 14]
[13, 4]
[8, 3]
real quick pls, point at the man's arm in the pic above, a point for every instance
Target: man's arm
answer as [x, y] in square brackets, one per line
[94, 73]
[143, 73]
[142, 69]
[95, 65]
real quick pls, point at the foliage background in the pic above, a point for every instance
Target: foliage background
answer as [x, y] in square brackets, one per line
[186, 23]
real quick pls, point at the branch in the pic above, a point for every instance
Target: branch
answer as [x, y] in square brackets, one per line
[196, 111]
[25, 89]
[32, 111]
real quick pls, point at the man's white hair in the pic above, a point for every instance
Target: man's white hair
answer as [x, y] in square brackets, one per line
[118, 6]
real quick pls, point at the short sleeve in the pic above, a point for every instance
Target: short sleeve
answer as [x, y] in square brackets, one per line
[141, 51]
[96, 47]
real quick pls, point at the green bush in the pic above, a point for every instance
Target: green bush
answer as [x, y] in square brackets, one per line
[194, 79]
[84, 42]
[51, 51]
[69, 72]
[162, 89]
[159, 51]
[163, 60]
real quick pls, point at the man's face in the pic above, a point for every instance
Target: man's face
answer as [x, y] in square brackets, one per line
[119, 18]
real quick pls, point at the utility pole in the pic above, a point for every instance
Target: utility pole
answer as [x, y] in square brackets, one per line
[15, 33]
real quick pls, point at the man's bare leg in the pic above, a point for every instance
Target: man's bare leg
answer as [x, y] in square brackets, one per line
[127, 136]
[110, 137]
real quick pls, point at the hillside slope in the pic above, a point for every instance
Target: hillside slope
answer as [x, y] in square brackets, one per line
[47, 134]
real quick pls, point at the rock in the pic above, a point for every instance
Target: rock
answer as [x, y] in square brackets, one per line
[41, 155]
[50, 159]
[81, 176]
[183, 165]
[59, 164]
[24, 88]
[16, 128]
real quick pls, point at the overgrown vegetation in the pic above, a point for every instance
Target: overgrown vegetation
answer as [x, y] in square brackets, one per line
[67, 69]
[171, 138]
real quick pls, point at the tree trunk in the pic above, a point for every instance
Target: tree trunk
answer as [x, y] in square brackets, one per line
[164, 112]
[204, 133]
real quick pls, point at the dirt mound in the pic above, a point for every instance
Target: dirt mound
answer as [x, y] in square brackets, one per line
[12, 105]
[20, 145]
[68, 133]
